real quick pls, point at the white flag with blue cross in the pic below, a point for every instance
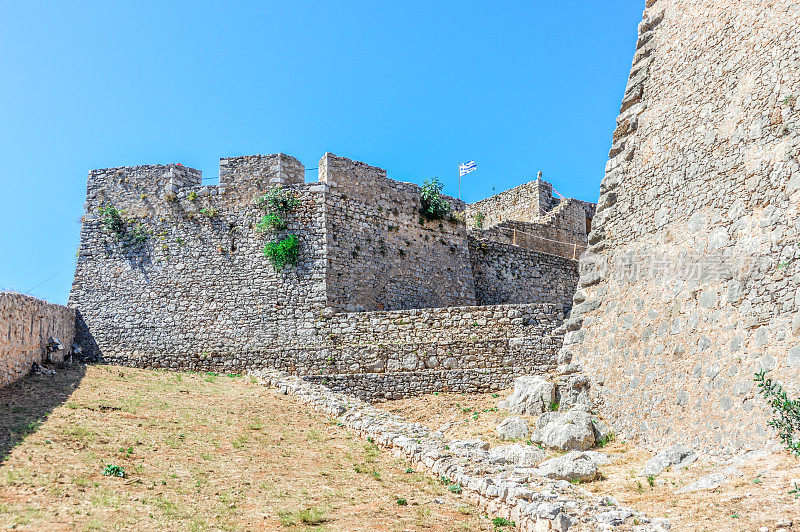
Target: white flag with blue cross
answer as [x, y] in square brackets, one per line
[465, 168]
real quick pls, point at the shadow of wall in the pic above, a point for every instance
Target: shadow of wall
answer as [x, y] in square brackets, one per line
[26, 403]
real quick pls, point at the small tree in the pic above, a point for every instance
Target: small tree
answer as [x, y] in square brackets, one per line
[785, 409]
[432, 205]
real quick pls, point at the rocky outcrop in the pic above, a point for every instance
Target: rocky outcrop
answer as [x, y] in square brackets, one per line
[512, 428]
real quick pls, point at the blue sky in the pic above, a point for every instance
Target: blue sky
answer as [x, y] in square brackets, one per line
[414, 87]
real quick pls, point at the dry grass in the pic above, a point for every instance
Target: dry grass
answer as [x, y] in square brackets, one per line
[199, 452]
[755, 496]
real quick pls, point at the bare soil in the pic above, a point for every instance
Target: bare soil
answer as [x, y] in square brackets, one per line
[756, 494]
[199, 451]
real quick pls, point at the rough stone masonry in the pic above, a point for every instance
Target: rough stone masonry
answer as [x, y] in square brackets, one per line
[382, 303]
[690, 283]
[32, 331]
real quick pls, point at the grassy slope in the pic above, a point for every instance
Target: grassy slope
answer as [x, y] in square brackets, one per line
[200, 452]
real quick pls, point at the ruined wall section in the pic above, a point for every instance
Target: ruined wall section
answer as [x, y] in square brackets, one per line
[31, 331]
[506, 274]
[383, 254]
[691, 281]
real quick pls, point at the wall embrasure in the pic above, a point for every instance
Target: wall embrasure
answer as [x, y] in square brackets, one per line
[691, 281]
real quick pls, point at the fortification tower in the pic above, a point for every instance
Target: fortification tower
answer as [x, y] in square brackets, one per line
[691, 282]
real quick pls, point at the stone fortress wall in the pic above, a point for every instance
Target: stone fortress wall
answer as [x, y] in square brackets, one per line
[199, 293]
[529, 216]
[32, 331]
[691, 283]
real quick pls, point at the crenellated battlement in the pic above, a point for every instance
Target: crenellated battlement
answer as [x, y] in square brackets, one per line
[261, 171]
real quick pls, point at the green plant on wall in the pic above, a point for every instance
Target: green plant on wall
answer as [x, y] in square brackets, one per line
[283, 252]
[271, 222]
[129, 232]
[279, 200]
[479, 219]
[112, 220]
[433, 206]
[208, 212]
[785, 410]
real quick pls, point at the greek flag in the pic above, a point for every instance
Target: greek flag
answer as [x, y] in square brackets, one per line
[465, 168]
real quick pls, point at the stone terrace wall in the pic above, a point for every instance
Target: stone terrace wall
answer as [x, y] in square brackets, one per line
[26, 326]
[382, 254]
[693, 282]
[512, 274]
[390, 354]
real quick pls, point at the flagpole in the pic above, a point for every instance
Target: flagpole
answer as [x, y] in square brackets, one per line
[459, 181]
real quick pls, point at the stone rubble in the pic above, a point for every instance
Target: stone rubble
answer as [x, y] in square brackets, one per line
[677, 455]
[523, 495]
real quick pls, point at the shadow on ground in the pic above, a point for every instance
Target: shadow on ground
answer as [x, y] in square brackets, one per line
[25, 404]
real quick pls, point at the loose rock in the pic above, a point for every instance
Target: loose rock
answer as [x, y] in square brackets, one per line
[532, 395]
[678, 455]
[566, 431]
[512, 428]
[573, 466]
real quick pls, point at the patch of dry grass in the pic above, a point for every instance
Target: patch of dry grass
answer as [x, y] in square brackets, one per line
[199, 452]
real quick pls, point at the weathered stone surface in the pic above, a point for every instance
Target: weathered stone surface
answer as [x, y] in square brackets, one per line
[694, 287]
[517, 454]
[470, 444]
[532, 395]
[678, 455]
[706, 483]
[512, 428]
[573, 466]
[572, 430]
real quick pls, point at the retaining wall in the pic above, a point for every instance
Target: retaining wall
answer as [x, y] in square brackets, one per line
[27, 326]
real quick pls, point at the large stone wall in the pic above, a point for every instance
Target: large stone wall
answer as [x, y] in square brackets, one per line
[388, 354]
[512, 274]
[383, 254]
[195, 290]
[28, 329]
[691, 281]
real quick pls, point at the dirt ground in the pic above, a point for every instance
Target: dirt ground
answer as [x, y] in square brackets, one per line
[199, 451]
[756, 493]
